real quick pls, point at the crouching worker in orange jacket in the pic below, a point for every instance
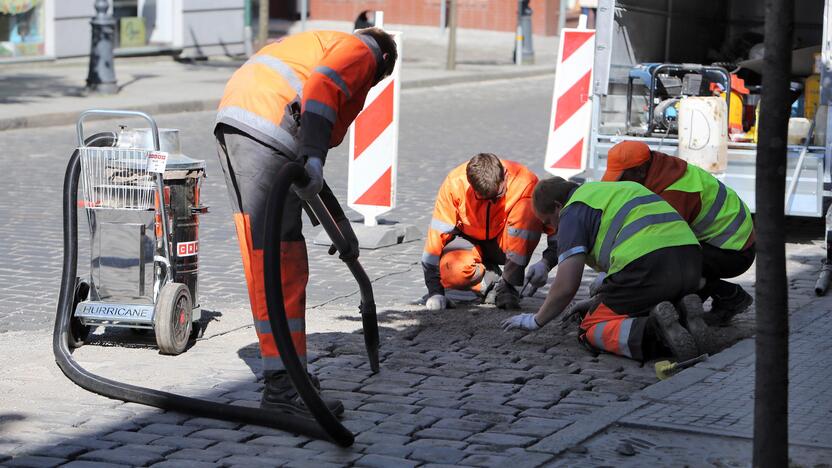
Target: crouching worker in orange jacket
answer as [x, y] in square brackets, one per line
[291, 102]
[485, 207]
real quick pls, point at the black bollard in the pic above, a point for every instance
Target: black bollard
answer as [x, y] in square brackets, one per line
[102, 74]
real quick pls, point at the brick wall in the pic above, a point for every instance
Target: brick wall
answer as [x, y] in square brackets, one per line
[499, 15]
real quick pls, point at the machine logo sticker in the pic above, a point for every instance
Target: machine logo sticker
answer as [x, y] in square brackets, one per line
[115, 312]
[157, 161]
[187, 249]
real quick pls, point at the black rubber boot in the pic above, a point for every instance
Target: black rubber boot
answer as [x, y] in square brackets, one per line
[279, 394]
[726, 306]
[507, 296]
[665, 319]
[691, 316]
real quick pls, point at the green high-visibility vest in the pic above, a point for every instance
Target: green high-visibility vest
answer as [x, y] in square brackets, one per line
[634, 222]
[724, 221]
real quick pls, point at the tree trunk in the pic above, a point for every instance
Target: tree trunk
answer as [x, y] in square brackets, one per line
[771, 438]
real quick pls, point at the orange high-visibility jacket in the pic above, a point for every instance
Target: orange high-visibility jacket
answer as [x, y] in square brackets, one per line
[301, 94]
[457, 209]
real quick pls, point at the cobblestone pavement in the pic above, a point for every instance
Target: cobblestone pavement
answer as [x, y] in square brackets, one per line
[454, 389]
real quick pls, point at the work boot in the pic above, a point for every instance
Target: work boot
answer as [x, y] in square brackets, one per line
[507, 296]
[666, 322]
[488, 283]
[690, 316]
[279, 394]
[725, 307]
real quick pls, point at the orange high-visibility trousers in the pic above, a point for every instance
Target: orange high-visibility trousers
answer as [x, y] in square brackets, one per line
[463, 264]
[250, 167]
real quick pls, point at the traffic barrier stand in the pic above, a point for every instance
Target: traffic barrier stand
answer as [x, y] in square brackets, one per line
[373, 161]
[568, 143]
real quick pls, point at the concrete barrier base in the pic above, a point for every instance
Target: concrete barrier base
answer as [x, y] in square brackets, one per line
[387, 233]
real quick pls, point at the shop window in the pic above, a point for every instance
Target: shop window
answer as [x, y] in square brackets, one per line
[21, 28]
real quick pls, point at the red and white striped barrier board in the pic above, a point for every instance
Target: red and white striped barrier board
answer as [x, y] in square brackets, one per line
[374, 148]
[566, 150]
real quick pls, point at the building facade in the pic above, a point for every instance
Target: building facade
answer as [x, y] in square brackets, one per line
[52, 29]
[499, 15]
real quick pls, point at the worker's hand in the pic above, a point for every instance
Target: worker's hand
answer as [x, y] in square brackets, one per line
[595, 286]
[536, 276]
[520, 322]
[437, 302]
[346, 229]
[315, 169]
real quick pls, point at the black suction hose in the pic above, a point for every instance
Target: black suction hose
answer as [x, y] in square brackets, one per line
[141, 395]
[369, 319]
[288, 174]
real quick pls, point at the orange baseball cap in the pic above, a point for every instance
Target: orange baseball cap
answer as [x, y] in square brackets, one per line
[623, 156]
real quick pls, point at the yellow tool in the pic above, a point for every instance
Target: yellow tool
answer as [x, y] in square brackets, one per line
[666, 369]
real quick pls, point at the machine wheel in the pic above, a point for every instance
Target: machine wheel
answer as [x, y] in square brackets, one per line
[78, 332]
[172, 320]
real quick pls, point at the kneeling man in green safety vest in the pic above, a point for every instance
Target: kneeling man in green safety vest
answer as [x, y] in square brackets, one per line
[652, 260]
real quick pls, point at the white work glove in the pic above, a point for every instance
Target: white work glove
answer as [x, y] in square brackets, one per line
[520, 322]
[315, 169]
[595, 286]
[536, 276]
[437, 302]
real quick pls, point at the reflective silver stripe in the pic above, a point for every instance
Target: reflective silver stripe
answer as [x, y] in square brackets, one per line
[515, 257]
[265, 327]
[441, 226]
[571, 252]
[616, 225]
[282, 69]
[729, 231]
[335, 77]
[631, 229]
[319, 108]
[430, 259]
[700, 227]
[624, 336]
[478, 275]
[598, 335]
[272, 363]
[262, 125]
[523, 233]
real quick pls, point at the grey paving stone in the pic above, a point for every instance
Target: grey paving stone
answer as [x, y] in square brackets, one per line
[223, 435]
[392, 399]
[396, 428]
[462, 425]
[202, 455]
[440, 433]
[211, 423]
[389, 408]
[365, 415]
[441, 412]
[535, 427]
[168, 429]
[528, 460]
[59, 451]
[383, 461]
[375, 437]
[497, 438]
[123, 456]
[288, 453]
[437, 454]
[183, 442]
[244, 460]
[34, 461]
[425, 443]
[131, 437]
[312, 464]
[92, 464]
[389, 449]
[339, 456]
[283, 441]
[232, 448]
[485, 460]
[184, 464]
[157, 449]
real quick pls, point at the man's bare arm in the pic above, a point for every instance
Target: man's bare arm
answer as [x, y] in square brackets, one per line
[566, 284]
